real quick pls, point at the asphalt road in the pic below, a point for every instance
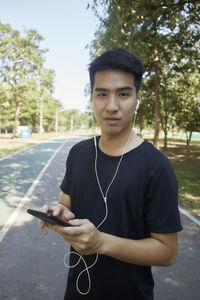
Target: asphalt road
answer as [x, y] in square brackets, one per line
[18, 171]
[31, 265]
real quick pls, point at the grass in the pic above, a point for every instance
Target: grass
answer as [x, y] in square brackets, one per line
[185, 160]
[186, 163]
[9, 145]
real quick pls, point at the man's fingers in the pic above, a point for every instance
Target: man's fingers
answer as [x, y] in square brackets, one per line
[57, 210]
[46, 208]
[68, 215]
[64, 212]
[70, 231]
[44, 231]
[42, 227]
[78, 222]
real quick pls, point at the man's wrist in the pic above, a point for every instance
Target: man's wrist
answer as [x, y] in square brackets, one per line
[103, 243]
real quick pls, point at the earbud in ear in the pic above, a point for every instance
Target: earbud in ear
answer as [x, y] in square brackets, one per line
[137, 105]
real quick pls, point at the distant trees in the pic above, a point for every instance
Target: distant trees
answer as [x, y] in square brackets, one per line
[73, 119]
[187, 115]
[26, 87]
[165, 34]
[24, 83]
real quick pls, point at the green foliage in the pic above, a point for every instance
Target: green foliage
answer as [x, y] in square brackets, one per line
[165, 34]
[51, 105]
[23, 80]
[80, 120]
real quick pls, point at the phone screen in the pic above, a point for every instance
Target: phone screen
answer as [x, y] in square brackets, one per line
[47, 217]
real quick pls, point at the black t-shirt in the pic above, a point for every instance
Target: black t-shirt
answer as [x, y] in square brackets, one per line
[142, 199]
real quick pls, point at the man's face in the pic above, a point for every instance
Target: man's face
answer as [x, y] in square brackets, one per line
[114, 100]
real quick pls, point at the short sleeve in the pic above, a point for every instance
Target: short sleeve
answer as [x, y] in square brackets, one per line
[161, 207]
[66, 183]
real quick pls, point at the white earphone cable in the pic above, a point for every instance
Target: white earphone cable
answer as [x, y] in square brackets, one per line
[104, 219]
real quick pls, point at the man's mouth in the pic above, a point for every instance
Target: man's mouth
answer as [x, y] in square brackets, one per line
[112, 120]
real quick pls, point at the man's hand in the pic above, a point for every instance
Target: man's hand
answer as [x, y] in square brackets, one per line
[84, 237]
[60, 211]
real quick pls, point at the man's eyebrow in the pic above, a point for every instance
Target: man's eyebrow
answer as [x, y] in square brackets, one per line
[125, 88]
[101, 89]
[119, 89]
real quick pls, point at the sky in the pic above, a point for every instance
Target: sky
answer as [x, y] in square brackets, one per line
[67, 27]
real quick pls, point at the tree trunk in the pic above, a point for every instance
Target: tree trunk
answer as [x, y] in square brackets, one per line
[165, 128]
[157, 100]
[165, 115]
[165, 138]
[141, 130]
[17, 108]
[188, 138]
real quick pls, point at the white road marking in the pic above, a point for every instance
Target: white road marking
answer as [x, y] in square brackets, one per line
[186, 213]
[29, 147]
[26, 197]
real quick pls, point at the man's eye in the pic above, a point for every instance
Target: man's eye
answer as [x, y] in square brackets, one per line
[123, 95]
[101, 95]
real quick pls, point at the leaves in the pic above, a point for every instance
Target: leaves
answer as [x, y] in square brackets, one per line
[168, 28]
[23, 79]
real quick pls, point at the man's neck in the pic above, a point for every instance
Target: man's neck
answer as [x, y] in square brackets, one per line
[114, 145]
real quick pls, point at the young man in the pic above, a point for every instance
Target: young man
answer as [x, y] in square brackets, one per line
[119, 194]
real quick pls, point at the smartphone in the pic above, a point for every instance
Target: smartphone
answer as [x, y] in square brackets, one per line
[47, 217]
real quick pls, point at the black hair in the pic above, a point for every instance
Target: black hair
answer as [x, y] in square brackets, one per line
[117, 59]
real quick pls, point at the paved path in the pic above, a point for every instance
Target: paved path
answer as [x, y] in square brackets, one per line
[31, 266]
[182, 280]
[18, 171]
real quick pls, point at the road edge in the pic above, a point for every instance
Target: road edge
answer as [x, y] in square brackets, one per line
[26, 198]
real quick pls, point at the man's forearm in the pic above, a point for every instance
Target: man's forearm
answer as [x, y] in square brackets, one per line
[147, 252]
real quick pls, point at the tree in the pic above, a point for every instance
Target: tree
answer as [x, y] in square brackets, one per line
[29, 111]
[51, 106]
[5, 93]
[46, 80]
[30, 86]
[158, 32]
[145, 114]
[21, 59]
[67, 116]
[188, 112]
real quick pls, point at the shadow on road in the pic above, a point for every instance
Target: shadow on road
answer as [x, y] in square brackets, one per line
[31, 265]
[181, 281]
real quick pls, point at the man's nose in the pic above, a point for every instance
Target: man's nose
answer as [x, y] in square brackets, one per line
[112, 104]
